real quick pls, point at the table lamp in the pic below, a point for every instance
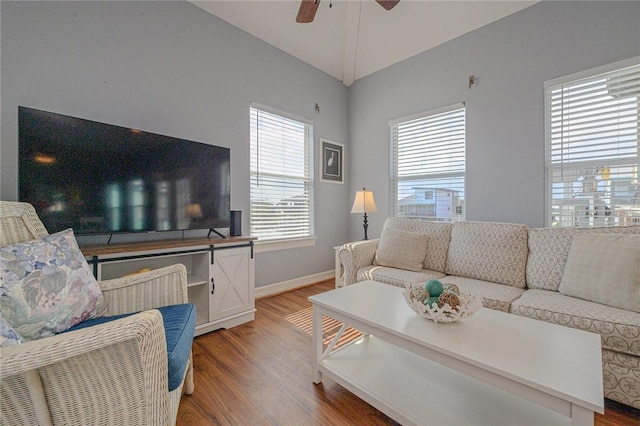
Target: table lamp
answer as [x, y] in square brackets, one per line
[364, 203]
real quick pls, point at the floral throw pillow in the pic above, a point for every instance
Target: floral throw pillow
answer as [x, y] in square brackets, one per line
[8, 336]
[46, 286]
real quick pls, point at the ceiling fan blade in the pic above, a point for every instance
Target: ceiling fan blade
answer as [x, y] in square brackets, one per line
[307, 11]
[388, 4]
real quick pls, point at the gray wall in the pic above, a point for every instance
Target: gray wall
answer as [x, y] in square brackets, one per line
[511, 59]
[173, 69]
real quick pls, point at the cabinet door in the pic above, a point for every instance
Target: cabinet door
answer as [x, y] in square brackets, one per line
[233, 283]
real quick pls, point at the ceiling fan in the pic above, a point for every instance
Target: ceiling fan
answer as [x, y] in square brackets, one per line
[308, 9]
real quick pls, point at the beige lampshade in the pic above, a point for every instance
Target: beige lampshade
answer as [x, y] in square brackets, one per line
[364, 202]
[194, 211]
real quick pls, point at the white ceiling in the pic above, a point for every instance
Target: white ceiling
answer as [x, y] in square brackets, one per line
[354, 38]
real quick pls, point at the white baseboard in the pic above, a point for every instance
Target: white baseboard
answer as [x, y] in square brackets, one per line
[281, 287]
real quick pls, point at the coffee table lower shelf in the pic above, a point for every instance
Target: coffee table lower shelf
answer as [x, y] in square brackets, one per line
[416, 391]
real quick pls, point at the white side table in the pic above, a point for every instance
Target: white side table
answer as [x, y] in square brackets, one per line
[339, 269]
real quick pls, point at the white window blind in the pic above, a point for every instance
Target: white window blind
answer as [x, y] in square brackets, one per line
[281, 198]
[428, 165]
[592, 150]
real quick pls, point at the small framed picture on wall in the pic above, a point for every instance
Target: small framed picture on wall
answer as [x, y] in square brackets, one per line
[331, 162]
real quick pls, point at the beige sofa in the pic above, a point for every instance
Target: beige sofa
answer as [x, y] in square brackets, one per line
[515, 269]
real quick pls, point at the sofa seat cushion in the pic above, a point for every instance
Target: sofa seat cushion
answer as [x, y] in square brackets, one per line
[494, 252]
[397, 277]
[495, 296]
[179, 326]
[619, 329]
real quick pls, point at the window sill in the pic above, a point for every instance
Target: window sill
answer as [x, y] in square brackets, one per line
[276, 245]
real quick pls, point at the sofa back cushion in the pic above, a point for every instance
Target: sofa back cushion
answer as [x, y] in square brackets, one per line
[438, 236]
[495, 252]
[604, 268]
[549, 248]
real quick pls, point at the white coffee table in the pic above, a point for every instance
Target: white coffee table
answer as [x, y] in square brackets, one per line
[491, 369]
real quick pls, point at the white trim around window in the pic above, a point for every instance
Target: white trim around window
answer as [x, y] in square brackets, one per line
[592, 153]
[281, 170]
[428, 164]
[289, 244]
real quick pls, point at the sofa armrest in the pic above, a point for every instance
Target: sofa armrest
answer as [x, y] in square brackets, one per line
[110, 373]
[147, 290]
[355, 256]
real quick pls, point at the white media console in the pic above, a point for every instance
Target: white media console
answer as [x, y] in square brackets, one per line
[221, 277]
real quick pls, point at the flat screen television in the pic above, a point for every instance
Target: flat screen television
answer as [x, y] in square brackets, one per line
[102, 179]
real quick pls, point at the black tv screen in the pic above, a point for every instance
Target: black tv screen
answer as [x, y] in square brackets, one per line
[101, 179]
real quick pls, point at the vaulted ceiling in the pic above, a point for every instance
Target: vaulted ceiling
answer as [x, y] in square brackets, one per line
[350, 39]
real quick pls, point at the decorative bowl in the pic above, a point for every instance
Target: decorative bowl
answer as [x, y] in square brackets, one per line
[469, 305]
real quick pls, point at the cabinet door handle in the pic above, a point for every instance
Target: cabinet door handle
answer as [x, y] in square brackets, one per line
[213, 286]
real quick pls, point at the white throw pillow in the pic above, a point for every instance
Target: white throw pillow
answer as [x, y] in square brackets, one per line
[604, 268]
[401, 249]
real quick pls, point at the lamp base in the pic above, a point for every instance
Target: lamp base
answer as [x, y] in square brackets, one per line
[365, 225]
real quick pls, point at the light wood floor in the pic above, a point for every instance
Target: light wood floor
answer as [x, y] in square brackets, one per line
[260, 374]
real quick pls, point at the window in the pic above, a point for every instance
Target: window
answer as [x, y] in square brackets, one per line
[428, 155]
[281, 197]
[591, 147]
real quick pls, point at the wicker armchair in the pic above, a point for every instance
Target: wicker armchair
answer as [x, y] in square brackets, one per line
[114, 373]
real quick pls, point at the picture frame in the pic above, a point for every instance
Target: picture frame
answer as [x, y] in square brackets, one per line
[331, 162]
